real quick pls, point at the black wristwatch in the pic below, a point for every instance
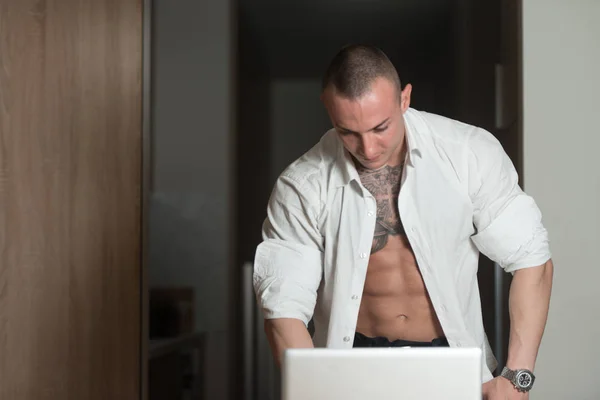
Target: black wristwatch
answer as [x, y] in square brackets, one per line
[522, 379]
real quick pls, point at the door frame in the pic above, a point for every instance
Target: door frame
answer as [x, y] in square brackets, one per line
[146, 187]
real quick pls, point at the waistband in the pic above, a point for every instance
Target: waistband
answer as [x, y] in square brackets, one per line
[361, 340]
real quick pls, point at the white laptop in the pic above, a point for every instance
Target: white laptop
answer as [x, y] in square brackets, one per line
[416, 373]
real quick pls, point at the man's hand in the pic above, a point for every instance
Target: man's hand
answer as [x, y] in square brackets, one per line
[501, 388]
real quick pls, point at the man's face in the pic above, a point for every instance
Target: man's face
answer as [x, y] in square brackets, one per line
[372, 126]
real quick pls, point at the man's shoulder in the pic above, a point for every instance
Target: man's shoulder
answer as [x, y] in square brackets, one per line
[466, 136]
[441, 128]
[450, 144]
[316, 165]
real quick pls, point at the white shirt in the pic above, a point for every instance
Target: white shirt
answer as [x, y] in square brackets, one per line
[459, 195]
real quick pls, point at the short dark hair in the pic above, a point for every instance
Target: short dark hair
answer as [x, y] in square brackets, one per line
[355, 67]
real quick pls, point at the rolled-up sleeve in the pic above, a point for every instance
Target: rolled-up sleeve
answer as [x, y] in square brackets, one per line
[508, 222]
[288, 262]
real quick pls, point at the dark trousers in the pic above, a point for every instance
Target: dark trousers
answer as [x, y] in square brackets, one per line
[361, 340]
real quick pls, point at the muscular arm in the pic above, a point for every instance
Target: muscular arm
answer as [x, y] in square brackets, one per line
[528, 307]
[286, 333]
[288, 264]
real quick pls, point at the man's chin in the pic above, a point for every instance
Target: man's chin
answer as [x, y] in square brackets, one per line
[372, 165]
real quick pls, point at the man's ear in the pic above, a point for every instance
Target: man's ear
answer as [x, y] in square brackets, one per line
[405, 97]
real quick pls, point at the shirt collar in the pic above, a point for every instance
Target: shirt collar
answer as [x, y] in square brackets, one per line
[344, 159]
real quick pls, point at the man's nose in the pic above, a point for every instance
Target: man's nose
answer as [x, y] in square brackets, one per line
[368, 147]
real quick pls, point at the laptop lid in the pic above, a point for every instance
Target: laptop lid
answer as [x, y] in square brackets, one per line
[382, 373]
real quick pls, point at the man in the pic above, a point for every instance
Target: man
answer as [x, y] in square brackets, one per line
[375, 232]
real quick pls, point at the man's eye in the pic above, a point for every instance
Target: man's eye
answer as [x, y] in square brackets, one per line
[379, 130]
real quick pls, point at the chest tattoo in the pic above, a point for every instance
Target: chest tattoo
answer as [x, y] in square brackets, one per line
[384, 185]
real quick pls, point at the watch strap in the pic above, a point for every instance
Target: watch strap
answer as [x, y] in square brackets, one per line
[508, 374]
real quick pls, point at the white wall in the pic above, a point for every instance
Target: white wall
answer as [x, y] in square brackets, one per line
[561, 83]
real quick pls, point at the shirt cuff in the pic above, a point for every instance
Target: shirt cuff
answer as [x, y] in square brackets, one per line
[282, 298]
[516, 238]
[286, 279]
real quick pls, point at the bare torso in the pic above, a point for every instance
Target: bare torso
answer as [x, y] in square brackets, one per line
[395, 302]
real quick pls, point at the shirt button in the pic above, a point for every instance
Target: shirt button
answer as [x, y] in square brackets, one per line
[413, 229]
[370, 213]
[363, 255]
[354, 297]
[443, 307]
[458, 344]
[346, 338]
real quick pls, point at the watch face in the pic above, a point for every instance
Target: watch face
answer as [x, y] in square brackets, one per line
[524, 379]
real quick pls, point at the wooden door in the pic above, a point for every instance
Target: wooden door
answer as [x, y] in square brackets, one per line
[70, 194]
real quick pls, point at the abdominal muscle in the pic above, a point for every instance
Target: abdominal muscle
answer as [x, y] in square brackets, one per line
[395, 303]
